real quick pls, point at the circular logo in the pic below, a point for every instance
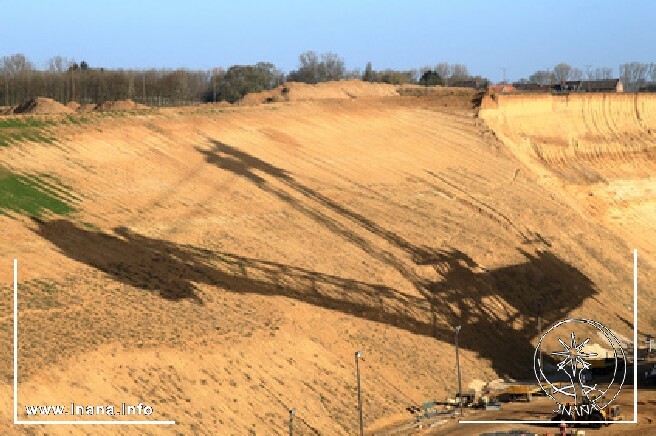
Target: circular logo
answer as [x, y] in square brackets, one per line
[571, 381]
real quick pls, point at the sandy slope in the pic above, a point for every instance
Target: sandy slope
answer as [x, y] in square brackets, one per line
[599, 148]
[234, 260]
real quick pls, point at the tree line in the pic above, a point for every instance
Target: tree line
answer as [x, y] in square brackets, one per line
[65, 80]
[635, 76]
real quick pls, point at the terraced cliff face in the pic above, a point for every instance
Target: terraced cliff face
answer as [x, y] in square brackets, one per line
[600, 149]
[564, 130]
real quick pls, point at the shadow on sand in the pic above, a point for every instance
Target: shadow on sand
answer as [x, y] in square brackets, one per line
[498, 308]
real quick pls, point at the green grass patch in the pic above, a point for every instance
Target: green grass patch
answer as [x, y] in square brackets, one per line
[25, 122]
[91, 226]
[29, 195]
[71, 119]
[33, 129]
[21, 129]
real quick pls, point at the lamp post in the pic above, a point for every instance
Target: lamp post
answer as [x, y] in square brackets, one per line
[291, 421]
[457, 330]
[540, 331]
[358, 355]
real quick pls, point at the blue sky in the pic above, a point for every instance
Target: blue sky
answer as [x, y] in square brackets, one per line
[521, 36]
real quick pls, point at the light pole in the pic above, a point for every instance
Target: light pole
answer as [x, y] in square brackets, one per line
[457, 330]
[540, 331]
[291, 421]
[358, 355]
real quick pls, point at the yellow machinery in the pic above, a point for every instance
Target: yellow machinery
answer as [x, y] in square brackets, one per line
[583, 413]
[519, 392]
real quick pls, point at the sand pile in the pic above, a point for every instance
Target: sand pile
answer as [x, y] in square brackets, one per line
[437, 90]
[120, 105]
[343, 89]
[73, 105]
[222, 103]
[41, 105]
[87, 107]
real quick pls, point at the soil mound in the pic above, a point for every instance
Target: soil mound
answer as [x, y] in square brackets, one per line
[73, 105]
[437, 90]
[343, 89]
[87, 107]
[41, 105]
[120, 105]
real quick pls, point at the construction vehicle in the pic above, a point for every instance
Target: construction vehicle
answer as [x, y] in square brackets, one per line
[519, 392]
[601, 365]
[587, 411]
[488, 402]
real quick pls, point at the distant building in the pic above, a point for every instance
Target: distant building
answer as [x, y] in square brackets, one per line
[469, 83]
[606, 85]
[533, 87]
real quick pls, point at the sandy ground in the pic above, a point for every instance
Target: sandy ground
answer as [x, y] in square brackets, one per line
[224, 264]
[540, 409]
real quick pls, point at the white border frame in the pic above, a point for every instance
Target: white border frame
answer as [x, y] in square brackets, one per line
[35, 422]
[635, 369]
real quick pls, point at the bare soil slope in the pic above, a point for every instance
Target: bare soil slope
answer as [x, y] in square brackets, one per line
[599, 149]
[223, 266]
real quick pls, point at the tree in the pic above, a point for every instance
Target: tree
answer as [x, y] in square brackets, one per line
[239, 80]
[459, 72]
[635, 74]
[542, 78]
[444, 70]
[430, 78]
[308, 70]
[602, 73]
[353, 74]
[16, 70]
[314, 69]
[452, 72]
[562, 72]
[598, 73]
[331, 67]
[576, 74]
[368, 75]
[394, 77]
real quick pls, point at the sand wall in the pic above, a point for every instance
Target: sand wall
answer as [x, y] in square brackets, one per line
[598, 150]
[575, 126]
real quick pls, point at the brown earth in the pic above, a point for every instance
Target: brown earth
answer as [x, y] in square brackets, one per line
[343, 89]
[599, 150]
[223, 267]
[7, 110]
[41, 105]
[540, 409]
[87, 107]
[73, 105]
[120, 105]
